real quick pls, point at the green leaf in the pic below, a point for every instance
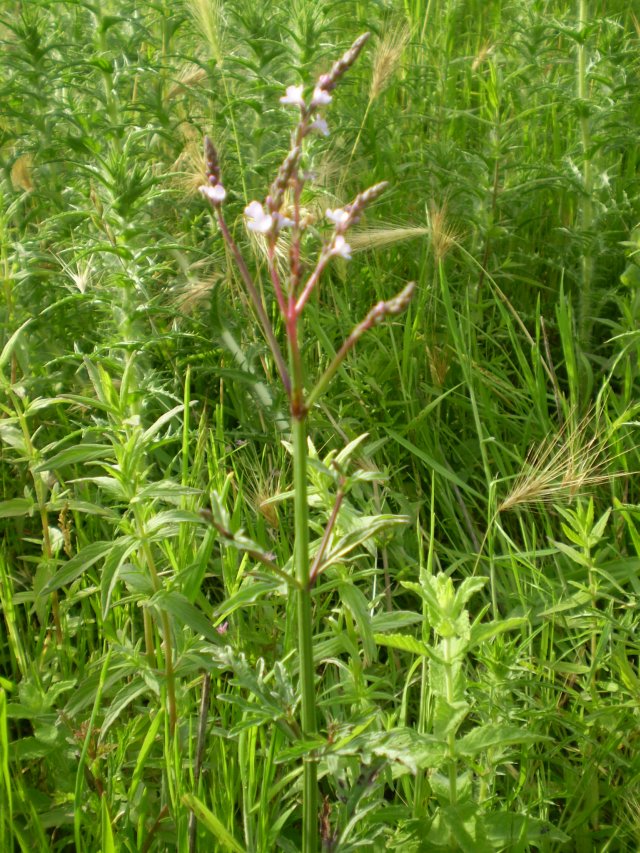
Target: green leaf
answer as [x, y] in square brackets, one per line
[10, 345]
[78, 564]
[143, 752]
[404, 643]
[574, 556]
[12, 436]
[405, 745]
[491, 735]
[354, 599]
[395, 620]
[212, 823]
[483, 632]
[109, 576]
[75, 455]
[367, 527]
[16, 507]
[250, 593]
[510, 831]
[120, 701]
[185, 613]
[108, 845]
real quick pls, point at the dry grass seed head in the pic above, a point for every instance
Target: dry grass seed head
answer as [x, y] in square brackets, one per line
[208, 16]
[444, 235]
[21, 174]
[188, 76]
[566, 465]
[387, 57]
[188, 297]
[189, 169]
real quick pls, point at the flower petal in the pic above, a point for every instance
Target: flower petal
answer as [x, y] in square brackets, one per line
[341, 248]
[337, 216]
[293, 96]
[216, 194]
[320, 97]
[320, 125]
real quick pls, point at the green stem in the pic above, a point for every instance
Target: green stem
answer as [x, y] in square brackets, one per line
[586, 203]
[165, 623]
[305, 627]
[451, 737]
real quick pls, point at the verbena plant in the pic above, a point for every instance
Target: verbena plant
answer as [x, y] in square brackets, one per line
[292, 292]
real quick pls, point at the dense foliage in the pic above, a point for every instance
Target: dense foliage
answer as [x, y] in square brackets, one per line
[475, 621]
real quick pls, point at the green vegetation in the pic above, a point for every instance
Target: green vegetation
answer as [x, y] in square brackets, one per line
[472, 512]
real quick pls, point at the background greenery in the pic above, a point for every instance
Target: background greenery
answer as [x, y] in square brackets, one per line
[500, 413]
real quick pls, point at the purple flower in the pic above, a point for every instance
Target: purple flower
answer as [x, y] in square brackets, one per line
[258, 219]
[293, 97]
[341, 248]
[216, 195]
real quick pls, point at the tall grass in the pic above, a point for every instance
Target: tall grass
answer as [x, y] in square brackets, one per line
[476, 668]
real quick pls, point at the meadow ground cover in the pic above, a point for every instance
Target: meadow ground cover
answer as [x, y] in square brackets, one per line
[247, 608]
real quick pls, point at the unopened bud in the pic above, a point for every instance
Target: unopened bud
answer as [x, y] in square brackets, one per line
[212, 164]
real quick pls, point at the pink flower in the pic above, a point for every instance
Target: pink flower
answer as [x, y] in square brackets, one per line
[216, 195]
[341, 248]
[337, 216]
[320, 125]
[320, 97]
[222, 629]
[293, 97]
[258, 219]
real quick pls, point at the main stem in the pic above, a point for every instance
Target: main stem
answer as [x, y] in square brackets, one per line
[586, 201]
[305, 644]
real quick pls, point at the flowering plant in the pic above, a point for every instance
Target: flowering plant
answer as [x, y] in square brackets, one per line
[267, 219]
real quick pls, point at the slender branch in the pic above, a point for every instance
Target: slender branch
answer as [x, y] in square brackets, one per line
[376, 315]
[257, 302]
[317, 567]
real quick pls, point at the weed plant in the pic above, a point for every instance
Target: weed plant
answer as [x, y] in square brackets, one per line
[471, 507]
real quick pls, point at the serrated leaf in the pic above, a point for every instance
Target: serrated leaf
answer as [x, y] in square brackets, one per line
[120, 701]
[491, 735]
[575, 556]
[416, 751]
[394, 620]
[250, 593]
[404, 643]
